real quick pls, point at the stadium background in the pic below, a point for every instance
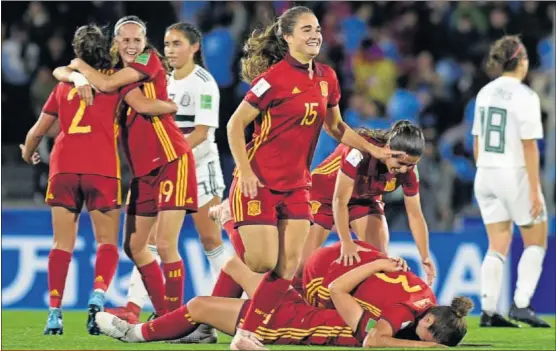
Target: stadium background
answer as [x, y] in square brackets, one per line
[414, 60]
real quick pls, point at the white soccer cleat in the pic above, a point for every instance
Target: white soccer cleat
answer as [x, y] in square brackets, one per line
[246, 340]
[114, 327]
[221, 213]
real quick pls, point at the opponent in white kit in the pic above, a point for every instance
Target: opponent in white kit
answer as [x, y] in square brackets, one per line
[196, 93]
[506, 127]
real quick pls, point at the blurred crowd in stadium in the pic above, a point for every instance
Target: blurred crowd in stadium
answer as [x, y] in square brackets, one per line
[395, 60]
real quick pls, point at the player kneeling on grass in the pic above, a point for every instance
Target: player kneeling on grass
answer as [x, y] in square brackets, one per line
[294, 322]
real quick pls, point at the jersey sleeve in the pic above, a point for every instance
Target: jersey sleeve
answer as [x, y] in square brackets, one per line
[148, 64]
[410, 185]
[260, 94]
[335, 91]
[398, 316]
[529, 119]
[51, 105]
[207, 102]
[350, 163]
[476, 129]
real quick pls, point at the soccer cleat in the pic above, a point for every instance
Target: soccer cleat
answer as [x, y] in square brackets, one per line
[496, 321]
[124, 314]
[246, 340]
[204, 334]
[96, 304]
[116, 328]
[527, 315]
[54, 324]
[220, 213]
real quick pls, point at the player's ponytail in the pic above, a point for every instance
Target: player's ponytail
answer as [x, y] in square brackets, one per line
[505, 54]
[194, 36]
[90, 44]
[449, 325]
[265, 48]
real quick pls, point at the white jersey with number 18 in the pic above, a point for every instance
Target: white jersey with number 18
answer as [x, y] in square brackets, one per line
[506, 112]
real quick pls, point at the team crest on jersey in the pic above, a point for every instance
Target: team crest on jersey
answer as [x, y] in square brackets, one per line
[315, 205]
[324, 88]
[390, 185]
[254, 208]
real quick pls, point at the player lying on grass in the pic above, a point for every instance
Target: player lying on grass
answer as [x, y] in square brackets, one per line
[294, 322]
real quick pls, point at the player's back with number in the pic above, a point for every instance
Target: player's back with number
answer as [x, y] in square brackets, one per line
[506, 112]
[87, 142]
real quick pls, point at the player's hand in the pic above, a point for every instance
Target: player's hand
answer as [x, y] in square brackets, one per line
[349, 252]
[33, 160]
[249, 183]
[430, 269]
[536, 204]
[383, 153]
[393, 265]
[85, 92]
[174, 106]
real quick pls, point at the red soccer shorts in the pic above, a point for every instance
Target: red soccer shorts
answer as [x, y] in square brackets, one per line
[170, 187]
[323, 216]
[71, 191]
[294, 322]
[269, 206]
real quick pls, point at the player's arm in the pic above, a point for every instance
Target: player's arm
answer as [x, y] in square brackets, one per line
[67, 75]
[145, 106]
[41, 128]
[207, 102]
[475, 148]
[340, 201]
[339, 130]
[107, 83]
[382, 335]
[420, 233]
[341, 287]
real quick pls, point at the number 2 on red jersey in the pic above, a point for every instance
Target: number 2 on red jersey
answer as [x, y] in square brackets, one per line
[75, 128]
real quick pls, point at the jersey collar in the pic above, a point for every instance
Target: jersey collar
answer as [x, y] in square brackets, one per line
[303, 66]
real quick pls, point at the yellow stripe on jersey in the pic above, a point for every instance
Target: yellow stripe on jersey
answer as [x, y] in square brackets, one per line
[311, 289]
[164, 139]
[296, 333]
[181, 184]
[330, 167]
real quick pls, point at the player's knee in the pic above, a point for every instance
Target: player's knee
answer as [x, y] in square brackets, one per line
[167, 249]
[259, 263]
[197, 306]
[288, 268]
[132, 248]
[210, 241]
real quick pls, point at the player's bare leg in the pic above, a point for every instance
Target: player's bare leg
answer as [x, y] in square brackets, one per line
[64, 226]
[106, 226]
[372, 229]
[254, 237]
[168, 227]
[528, 274]
[316, 238]
[137, 294]
[492, 271]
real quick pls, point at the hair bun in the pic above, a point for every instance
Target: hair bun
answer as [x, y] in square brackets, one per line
[461, 306]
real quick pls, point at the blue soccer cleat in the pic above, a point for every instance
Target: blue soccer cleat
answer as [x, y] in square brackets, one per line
[54, 324]
[96, 304]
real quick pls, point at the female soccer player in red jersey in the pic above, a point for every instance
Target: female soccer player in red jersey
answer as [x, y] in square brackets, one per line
[294, 322]
[294, 96]
[348, 188]
[84, 169]
[164, 185]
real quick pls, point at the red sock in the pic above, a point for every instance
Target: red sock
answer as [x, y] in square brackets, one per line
[105, 266]
[267, 296]
[133, 308]
[226, 287]
[154, 283]
[235, 238]
[58, 265]
[172, 325]
[174, 273]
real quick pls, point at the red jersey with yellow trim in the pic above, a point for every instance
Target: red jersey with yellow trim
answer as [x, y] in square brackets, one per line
[293, 107]
[87, 143]
[371, 176]
[399, 298]
[150, 142]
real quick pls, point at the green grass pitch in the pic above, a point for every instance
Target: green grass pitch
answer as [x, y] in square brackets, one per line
[22, 330]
